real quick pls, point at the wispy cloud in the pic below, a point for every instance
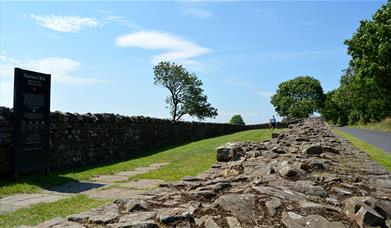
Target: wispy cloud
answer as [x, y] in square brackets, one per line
[60, 68]
[265, 14]
[175, 48]
[64, 23]
[236, 82]
[248, 86]
[109, 16]
[300, 55]
[197, 12]
[309, 23]
[195, 9]
[264, 94]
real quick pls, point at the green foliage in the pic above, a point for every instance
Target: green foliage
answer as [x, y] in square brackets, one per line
[299, 97]
[354, 116]
[237, 120]
[186, 94]
[364, 94]
[330, 109]
[370, 48]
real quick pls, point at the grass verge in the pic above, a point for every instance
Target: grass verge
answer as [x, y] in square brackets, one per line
[377, 154]
[384, 125]
[41, 212]
[188, 159]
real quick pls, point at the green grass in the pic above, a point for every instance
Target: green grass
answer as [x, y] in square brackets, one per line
[384, 125]
[377, 154]
[41, 212]
[188, 159]
[193, 158]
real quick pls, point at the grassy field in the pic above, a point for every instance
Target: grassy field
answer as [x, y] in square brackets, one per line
[44, 211]
[184, 160]
[188, 159]
[377, 154]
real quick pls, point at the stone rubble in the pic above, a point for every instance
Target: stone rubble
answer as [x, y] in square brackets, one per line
[304, 177]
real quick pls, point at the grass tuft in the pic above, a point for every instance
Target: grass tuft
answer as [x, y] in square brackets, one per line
[41, 212]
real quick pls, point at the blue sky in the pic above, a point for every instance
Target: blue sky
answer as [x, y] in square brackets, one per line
[101, 54]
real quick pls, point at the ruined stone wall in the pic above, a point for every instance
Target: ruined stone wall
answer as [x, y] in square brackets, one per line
[80, 140]
[306, 176]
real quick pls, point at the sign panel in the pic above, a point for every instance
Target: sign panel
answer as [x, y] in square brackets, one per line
[31, 121]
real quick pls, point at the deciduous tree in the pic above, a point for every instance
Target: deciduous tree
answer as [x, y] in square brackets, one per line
[237, 120]
[299, 97]
[186, 94]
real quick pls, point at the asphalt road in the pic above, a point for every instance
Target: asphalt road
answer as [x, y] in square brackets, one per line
[381, 139]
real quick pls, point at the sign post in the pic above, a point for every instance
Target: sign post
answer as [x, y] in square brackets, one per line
[31, 121]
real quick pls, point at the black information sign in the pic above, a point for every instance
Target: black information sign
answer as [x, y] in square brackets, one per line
[31, 121]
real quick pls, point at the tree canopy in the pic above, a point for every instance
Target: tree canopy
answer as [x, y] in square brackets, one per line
[299, 97]
[364, 93]
[237, 120]
[186, 95]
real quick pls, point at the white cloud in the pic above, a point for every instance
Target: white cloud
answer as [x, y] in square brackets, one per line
[60, 68]
[264, 94]
[64, 23]
[176, 48]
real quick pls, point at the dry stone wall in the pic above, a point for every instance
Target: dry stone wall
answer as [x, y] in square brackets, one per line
[81, 140]
[304, 177]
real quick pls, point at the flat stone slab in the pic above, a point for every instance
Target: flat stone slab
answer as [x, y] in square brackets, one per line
[110, 178]
[142, 184]
[117, 193]
[75, 187]
[14, 202]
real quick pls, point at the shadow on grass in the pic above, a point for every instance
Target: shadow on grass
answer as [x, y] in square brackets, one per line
[57, 180]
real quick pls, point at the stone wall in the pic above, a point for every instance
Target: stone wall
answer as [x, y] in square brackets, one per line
[81, 140]
[266, 125]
